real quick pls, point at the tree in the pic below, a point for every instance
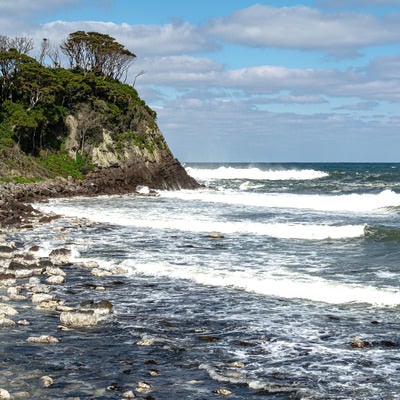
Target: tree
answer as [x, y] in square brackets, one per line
[11, 62]
[98, 53]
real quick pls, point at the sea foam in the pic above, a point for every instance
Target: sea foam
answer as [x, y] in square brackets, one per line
[291, 286]
[229, 173]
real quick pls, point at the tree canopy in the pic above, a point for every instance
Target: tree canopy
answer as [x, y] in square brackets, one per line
[98, 53]
[35, 99]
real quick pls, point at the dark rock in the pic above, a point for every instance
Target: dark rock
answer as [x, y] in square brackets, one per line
[209, 338]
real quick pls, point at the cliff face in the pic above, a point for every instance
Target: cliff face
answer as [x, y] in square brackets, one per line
[124, 164]
[123, 160]
[96, 130]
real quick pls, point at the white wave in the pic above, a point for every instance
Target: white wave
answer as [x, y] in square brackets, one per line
[345, 202]
[290, 286]
[230, 173]
[182, 223]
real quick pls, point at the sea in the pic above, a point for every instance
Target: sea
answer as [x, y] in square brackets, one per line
[275, 281]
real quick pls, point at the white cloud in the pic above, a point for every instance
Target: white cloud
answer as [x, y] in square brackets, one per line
[206, 130]
[176, 38]
[305, 28]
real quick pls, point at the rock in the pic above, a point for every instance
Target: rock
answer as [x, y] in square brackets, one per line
[13, 293]
[38, 298]
[55, 280]
[128, 395]
[236, 364]
[23, 322]
[49, 305]
[46, 381]
[5, 395]
[60, 256]
[88, 264]
[34, 248]
[143, 387]
[7, 280]
[146, 342]
[216, 236]
[6, 323]
[79, 318]
[359, 344]
[6, 309]
[43, 339]
[101, 273]
[52, 270]
[119, 271]
[223, 392]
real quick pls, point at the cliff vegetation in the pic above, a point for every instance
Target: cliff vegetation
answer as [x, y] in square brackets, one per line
[79, 120]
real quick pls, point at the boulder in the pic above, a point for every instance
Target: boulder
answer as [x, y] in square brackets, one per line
[43, 339]
[79, 318]
[6, 323]
[7, 310]
[5, 395]
[89, 314]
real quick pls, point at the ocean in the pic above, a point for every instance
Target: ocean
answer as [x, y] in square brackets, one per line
[276, 281]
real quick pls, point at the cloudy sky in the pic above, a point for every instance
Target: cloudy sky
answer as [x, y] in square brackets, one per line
[239, 80]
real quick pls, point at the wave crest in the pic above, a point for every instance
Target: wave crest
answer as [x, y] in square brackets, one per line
[231, 173]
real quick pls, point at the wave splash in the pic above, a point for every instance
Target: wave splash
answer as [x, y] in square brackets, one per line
[354, 202]
[231, 173]
[290, 287]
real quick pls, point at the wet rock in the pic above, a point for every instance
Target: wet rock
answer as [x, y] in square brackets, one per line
[359, 344]
[43, 339]
[103, 307]
[223, 392]
[79, 318]
[55, 280]
[89, 314]
[34, 248]
[7, 279]
[13, 293]
[6, 323]
[128, 395]
[146, 342]
[7, 310]
[60, 256]
[38, 298]
[119, 271]
[5, 395]
[52, 270]
[143, 387]
[46, 381]
[23, 322]
[209, 338]
[236, 364]
[101, 273]
[215, 236]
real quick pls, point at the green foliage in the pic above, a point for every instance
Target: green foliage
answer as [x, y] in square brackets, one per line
[6, 135]
[35, 101]
[21, 179]
[61, 164]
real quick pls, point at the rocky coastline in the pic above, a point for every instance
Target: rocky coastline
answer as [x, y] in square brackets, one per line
[30, 280]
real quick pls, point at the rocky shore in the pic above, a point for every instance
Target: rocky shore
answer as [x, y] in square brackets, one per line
[31, 279]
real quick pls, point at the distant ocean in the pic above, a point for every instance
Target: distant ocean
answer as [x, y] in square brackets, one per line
[261, 283]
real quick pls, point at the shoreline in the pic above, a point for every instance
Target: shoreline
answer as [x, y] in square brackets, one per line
[31, 282]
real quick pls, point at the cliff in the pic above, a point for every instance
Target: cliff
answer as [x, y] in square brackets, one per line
[90, 129]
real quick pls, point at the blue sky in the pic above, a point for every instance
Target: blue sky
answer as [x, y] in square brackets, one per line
[240, 80]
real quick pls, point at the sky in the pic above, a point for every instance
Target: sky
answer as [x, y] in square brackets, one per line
[248, 81]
